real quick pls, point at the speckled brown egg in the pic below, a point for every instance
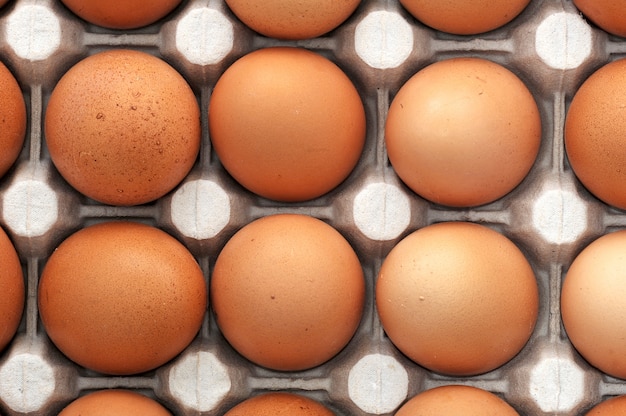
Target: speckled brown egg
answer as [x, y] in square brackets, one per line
[457, 298]
[279, 404]
[592, 303]
[288, 292]
[115, 402]
[288, 19]
[12, 119]
[121, 14]
[123, 127]
[465, 17]
[595, 131]
[121, 297]
[463, 132]
[456, 400]
[12, 290]
[607, 14]
[287, 123]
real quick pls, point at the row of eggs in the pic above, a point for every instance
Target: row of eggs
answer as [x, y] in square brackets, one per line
[445, 400]
[302, 20]
[287, 292]
[123, 127]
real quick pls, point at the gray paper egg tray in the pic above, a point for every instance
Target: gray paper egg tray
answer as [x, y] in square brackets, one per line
[550, 216]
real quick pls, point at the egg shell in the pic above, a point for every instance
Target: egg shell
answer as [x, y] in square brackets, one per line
[454, 400]
[463, 132]
[12, 119]
[592, 303]
[121, 14]
[607, 14]
[122, 297]
[457, 298]
[614, 406]
[288, 292]
[595, 131]
[279, 404]
[287, 123]
[465, 17]
[12, 290]
[114, 403]
[123, 127]
[294, 20]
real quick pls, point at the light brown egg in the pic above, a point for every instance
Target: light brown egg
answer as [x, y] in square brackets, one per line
[595, 130]
[592, 303]
[121, 14]
[114, 403]
[288, 292]
[463, 132]
[465, 17]
[295, 20]
[287, 123]
[123, 127]
[279, 404]
[12, 290]
[12, 119]
[121, 297]
[456, 400]
[457, 298]
[607, 14]
[615, 406]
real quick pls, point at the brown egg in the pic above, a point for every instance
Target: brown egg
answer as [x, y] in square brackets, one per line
[287, 19]
[288, 292]
[121, 14]
[114, 403]
[607, 14]
[12, 290]
[279, 404]
[592, 303]
[122, 297]
[12, 119]
[456, 400]
[615, 406]
[594, 133]
[287, 123]
[463, 132]
[123, 127]
[465, 17]
[457, 298]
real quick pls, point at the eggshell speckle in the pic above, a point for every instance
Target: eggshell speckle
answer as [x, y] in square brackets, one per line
[595, 132]
[121, 14]
[123, 127]
[279, 404]
[592, 303]
[288, 19]
[607, 14]
[121, 297]
[12, 290]
[455, 400]
[287, 123]
[288, 292]
[457, 298]
[12, 119]
[114, 403]
[465, 17]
